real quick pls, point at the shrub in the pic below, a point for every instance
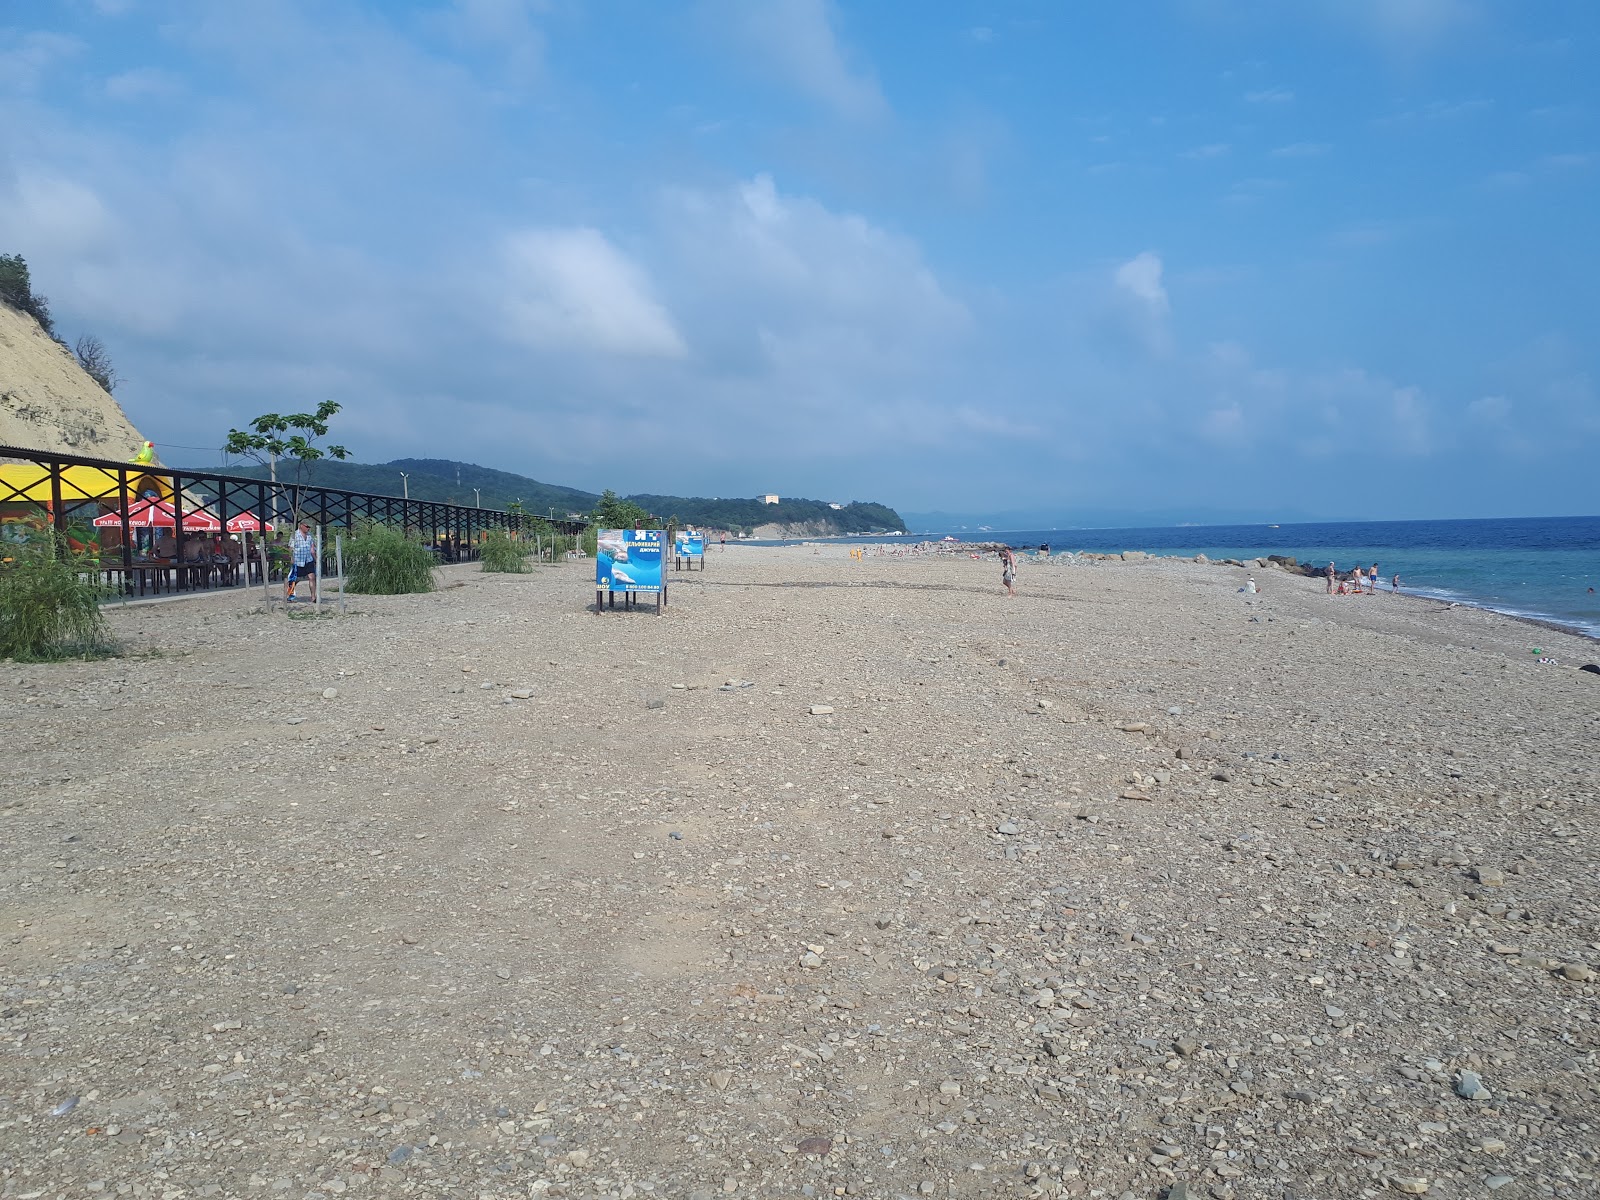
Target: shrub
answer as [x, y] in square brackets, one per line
[49, 598]
[382, 561]
[502, 553]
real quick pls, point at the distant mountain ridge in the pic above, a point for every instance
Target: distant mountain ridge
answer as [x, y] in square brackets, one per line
[445, 481]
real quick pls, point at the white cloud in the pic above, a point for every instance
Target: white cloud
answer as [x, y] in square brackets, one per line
[55, 214]
[26, 58]
[571, 289]
[1302, 150]
[508, 28]
[1490, 410]
[141, 83]
[796, 39]
[1407, 26]
[1140, 277]
[1274, 95]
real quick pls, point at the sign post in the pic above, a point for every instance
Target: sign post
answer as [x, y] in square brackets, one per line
[628, 561]
[688, 548]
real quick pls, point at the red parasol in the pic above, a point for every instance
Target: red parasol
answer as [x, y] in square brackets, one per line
[154, 514]
[248, 522]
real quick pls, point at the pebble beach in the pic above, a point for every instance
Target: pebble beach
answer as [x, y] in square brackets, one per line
[845, 877]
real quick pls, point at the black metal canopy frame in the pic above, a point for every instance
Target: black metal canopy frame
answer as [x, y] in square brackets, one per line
[71, 484]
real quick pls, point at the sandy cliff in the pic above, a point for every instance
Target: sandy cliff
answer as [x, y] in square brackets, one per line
[48, 401]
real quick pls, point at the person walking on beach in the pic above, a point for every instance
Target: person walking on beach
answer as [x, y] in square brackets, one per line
[1008, 570]
[1372, 580]
[303, 557]
[1394, 584]
[1330, 573]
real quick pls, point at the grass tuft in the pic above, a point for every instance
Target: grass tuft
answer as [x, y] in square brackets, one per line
[501, 552]
[49, 598]
[382, 561]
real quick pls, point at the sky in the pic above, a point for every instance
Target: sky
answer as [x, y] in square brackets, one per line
[1194, 258]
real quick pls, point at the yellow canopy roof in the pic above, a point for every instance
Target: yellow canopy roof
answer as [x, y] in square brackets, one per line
[30, 482]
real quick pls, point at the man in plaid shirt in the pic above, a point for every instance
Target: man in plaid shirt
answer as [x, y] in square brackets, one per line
[303, 552]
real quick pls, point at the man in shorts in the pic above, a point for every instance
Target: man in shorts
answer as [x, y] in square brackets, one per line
[303, 555]
[1008, 570]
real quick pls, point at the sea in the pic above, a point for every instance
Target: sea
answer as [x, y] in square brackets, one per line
[1543, 568]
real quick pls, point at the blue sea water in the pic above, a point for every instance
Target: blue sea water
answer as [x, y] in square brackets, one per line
[1539, 567]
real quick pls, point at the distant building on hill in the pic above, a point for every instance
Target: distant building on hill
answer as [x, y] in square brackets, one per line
[769, 498]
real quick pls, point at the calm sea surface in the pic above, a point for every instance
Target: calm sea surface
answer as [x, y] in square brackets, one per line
[1539, 567]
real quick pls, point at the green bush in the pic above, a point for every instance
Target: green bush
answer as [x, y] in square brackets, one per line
[382, 561]
[502, 553]
[49, 598]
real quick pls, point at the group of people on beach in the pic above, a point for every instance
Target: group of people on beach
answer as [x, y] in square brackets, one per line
[1356, 582]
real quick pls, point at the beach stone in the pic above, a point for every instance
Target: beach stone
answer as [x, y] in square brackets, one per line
[1490, 876]
[1495, 1182]
[1009, 828]
[330, 693]
[821, 710]
[811, 960]
[520, 693]
[1469, 1086]
[1577, 973]
[1409, 1185]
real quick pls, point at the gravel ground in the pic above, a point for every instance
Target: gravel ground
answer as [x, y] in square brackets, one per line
[1131, 886]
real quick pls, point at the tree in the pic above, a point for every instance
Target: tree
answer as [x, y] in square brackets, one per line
[293, 437]
[16, 289]
[613, 512]
[95, 359]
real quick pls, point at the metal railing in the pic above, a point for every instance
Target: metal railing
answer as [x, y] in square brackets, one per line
[71, 488]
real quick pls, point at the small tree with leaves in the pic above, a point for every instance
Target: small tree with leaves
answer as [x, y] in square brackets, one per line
[291, 437]
[613, 512]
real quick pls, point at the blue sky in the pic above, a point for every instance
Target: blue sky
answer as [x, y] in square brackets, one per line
[1329, 258]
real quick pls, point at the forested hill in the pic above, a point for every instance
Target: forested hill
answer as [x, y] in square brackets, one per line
[436, 479]
[817, 516]
[440, 479]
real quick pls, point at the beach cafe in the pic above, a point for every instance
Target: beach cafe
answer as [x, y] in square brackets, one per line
[98, 513]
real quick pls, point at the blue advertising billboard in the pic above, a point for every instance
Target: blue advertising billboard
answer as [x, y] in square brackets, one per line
[628, 560]
[691, 544]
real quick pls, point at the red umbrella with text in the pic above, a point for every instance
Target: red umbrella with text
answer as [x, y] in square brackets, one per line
[160, 514]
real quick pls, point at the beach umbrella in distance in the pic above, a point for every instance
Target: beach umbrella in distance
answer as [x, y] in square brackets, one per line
[248, 522]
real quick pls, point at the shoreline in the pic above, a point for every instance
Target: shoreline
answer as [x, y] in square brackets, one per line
[1553, 623]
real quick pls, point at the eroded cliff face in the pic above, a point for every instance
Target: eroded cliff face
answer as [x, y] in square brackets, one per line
[48, 401]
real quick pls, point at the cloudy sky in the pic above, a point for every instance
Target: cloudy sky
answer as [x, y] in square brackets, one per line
[1327, 258]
